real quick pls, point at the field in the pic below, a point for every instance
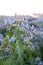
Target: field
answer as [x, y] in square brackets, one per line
[21, 41]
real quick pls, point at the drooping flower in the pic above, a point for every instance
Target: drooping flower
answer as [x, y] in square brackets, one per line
[40, 63]
[37, 59]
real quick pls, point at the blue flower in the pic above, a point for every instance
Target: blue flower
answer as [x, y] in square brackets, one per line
[23, 28]
[27, 26]
[1, 37]
[13, 39]
[42, 36]
[36, 43]
[32, 47]
[25, 40]
[22, 35]
[40, 63]
[41, 29]
[32, 27]
[37, 59]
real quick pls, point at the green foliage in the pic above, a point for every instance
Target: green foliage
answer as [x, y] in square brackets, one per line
[1, 61]
[21, 53]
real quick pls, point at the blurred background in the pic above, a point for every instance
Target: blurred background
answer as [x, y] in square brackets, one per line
[23, 7]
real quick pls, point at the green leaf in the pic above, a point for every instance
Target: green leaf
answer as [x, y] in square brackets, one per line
[1, 61]
[9, 33]
[8, 61]
[19, 47]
